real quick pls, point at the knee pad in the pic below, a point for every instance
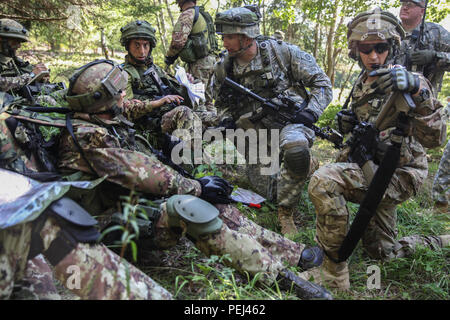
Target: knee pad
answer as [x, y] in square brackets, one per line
[196, 215]
[76, 226]
[295, 141]
[297, 160]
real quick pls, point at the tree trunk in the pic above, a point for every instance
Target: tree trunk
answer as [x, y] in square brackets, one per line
[169, 12]
[330, 43]
[316, 38]
[161, 27]
[103, 43]
[346, 80]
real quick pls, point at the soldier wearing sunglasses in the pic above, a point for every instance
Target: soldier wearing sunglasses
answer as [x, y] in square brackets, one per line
[373, 38]
[426, 50]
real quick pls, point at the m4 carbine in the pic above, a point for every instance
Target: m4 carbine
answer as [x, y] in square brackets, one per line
[286, 111]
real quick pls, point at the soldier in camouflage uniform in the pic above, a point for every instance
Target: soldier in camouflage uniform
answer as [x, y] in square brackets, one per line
[372, 37]
[270, 67]
[160, 93]
[102, 144]
[430, 54]
[103, 274]
[191, 43]
[14, 72]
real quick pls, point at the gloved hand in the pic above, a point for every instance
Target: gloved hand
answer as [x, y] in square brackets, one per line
[397, 78]
[422, 57]
[170, 60]
[306, 118]
[346, 121]
[215, 189]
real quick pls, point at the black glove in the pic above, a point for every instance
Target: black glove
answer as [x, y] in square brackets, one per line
[170, 60]
[305, 117]
[215, 189]
[422, 57]
[397, 78]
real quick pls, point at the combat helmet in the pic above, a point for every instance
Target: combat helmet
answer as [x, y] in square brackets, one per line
[374, 24]
[238, 21]
[420, 3]
[12, 29]
[138, 29]
[96, 87]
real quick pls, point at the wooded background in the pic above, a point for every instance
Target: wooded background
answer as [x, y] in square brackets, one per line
[316, 26]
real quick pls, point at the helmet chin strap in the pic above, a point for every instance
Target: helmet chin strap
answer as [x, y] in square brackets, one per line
[243, 48]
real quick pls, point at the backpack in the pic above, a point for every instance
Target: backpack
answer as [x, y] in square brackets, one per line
[431, 129]
[211, 28]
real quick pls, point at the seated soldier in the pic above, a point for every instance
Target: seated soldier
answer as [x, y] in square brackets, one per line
[101, 143]
[138, 38]
[373, 37]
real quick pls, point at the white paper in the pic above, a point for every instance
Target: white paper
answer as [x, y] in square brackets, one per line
[196, 91]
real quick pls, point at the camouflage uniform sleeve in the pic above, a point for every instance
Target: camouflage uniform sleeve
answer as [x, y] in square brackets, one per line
[181, 31]
[134, 109]
[443, 48]
[130, 169]
[12, 83]
[305, 70]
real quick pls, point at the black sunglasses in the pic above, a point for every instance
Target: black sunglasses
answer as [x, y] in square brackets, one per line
[379, 47]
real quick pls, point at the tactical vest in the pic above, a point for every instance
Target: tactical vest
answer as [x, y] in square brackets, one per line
[145, 87]
[202, 39]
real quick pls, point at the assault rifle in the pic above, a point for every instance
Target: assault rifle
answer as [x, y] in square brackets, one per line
[286, 112]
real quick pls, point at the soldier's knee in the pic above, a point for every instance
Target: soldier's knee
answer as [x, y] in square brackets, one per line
[193, 215]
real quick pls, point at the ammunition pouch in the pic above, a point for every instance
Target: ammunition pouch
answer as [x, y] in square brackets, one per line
[77, 226]
[198, 217]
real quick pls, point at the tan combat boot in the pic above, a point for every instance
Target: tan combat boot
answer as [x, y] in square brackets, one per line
[285, 217]
[441, 207]
[335, 275]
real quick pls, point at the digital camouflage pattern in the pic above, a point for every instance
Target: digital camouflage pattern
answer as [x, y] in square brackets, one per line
[332, 185]
[441, 184]
[14, 83]
[110, 280]
[435, 38]
[278, 68]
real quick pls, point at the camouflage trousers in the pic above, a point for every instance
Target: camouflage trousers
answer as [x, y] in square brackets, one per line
[441, 184]
[332, 185]
[89, 271]
[252, 248]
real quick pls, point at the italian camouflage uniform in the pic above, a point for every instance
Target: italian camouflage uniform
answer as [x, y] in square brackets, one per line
[278, 68]
[435, 38]
[201, 69]
[110, 150]
[332, 185]
[112, 275]
[441, 184]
